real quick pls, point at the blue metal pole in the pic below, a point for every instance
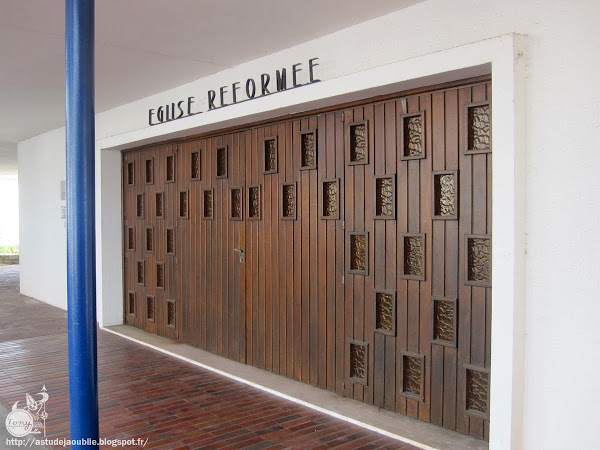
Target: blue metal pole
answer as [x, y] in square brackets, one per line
[81, 254]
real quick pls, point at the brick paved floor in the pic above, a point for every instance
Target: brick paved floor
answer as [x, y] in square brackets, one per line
[146, 394]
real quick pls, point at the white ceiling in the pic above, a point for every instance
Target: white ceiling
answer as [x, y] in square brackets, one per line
[147, 46]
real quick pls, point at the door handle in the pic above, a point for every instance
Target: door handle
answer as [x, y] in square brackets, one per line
[241, 252]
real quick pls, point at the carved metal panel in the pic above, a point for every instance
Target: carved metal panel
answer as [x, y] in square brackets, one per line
[445, 195]
[139, 206]
[149, 172]
[385, 197]
[140, 273]
[359, 359]
[208, 203]
[170, 175]
[358, 142]
[149, 239]
[160, 275]
[444, 321]
[385, 312]
[477, 394]
[160, 205]
[131, 238]
[270, 155]
[413, 256]
[150, 308]
[254, 204]
[478, 122]
[358, 251]
[331, 199]
[131, 303]
[288, 201]
[195, 165]
[170, 238]
[222, 162]
[131, 173]
[184, 207]
[412, 136]
[479, 260]
[235, 203]
[308, 150]
[413, 375]
[171, 314]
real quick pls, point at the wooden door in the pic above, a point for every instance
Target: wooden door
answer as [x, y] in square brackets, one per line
[366, 234]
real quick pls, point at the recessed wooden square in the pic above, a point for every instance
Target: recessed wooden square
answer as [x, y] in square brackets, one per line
[131, 238]
[413, 256]
[412, 136]
[385, 197]
[445, 195]
[149, 170]
[413, 375]
[150, 308]
[170, 241]
[222, 161]
[308, 149]
[131, 306]
[207, 203]
[236, 203]
[171, 314]
[195, 165]
[254, 202]
[288, 201]
[359, 360]
[357, 138]
[477, 391]
[331, 199]
[160, 275]
[184, 206]
[385, 312]
[139, 206]
[358, 252]
[270, 150]
[160, 205]
[170, 175]
[141, 274]
[149, 239]
[131, 173]
[444, 320]
[478, 260]
[478, 123]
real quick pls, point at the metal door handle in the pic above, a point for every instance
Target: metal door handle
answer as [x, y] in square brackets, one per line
[241, 252]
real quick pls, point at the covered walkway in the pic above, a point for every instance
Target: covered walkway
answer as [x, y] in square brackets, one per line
[146, 394]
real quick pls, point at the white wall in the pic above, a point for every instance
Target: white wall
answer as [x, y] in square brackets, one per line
[43, 246]
[556, 202]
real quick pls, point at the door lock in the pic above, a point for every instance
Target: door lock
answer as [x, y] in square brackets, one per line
[241, 252]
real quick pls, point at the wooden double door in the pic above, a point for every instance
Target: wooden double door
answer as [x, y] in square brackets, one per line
[349, 249]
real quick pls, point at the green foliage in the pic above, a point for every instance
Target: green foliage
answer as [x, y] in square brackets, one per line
[9, 249]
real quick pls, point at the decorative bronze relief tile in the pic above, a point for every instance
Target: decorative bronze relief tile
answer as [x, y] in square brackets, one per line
[413, 136]
[140, 272]
[308, 151]
[139, 206]
[412, 375]
[270, 155]
[149, 239]
[478, 125]
[413, 256]
[358, 361]
[130, 238]
[359, 253]
[183, 205]
[254, 202]
[160, 275]
[149, 171]
[288, 201]
[445, 195]
[170, 178]
[171, 313]
[359, 146]
[385, 312]
[131, 303]
[207, 202]
[331, 199]
[160, 205]
[131, 173]
[477, 390]
[195, 165]
[150, 308]
[222, 162]
[236, 203]
[170, 241]
[479, 260]
[444, 321]
[385, 197]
